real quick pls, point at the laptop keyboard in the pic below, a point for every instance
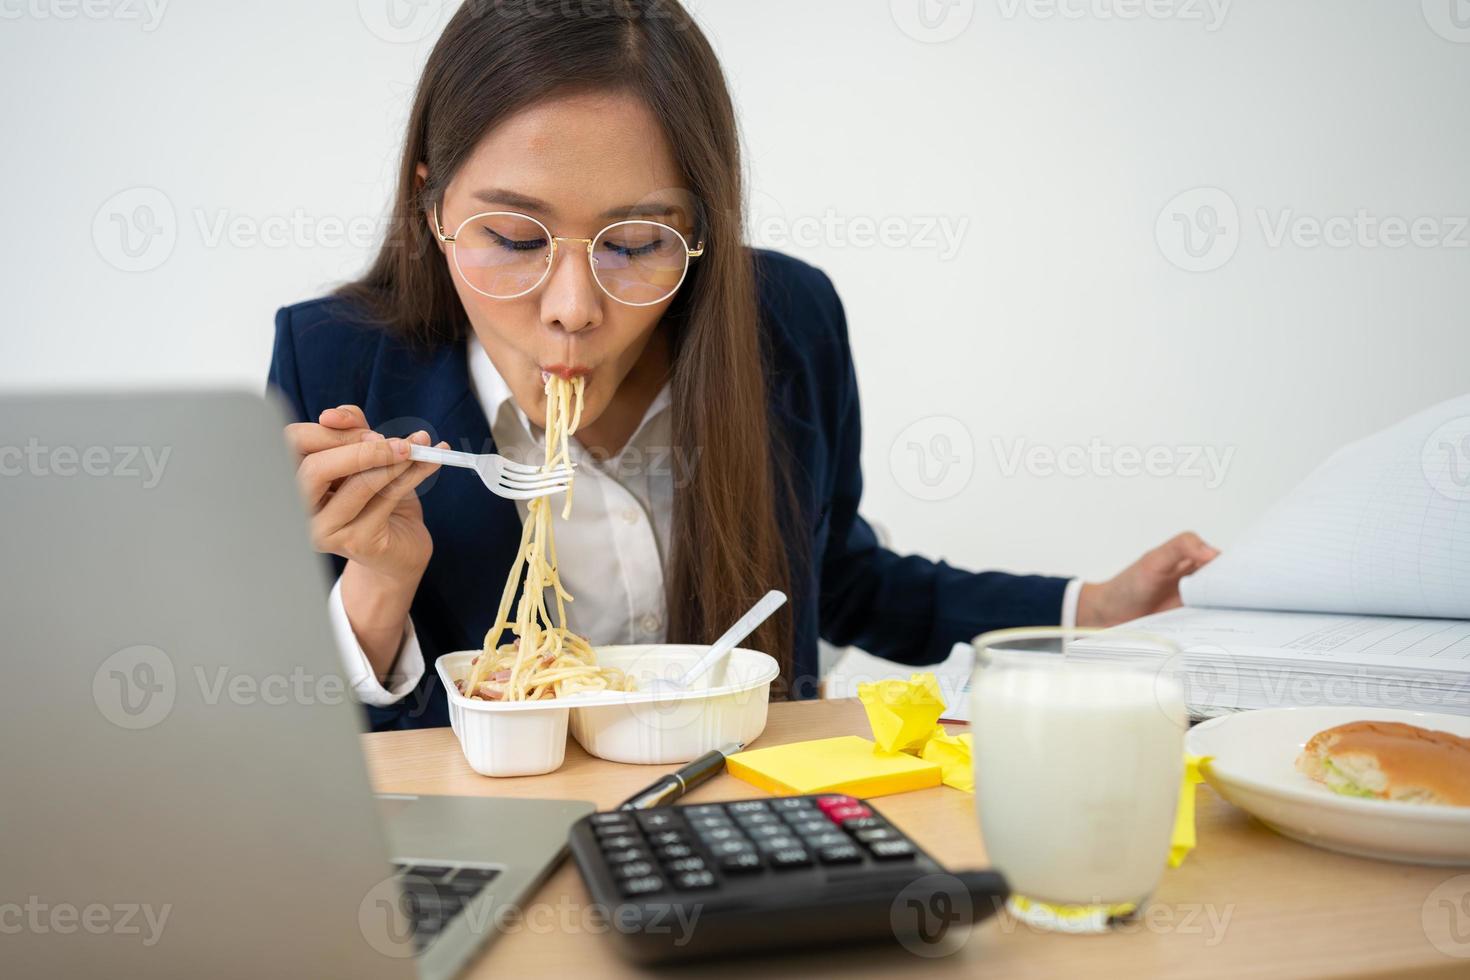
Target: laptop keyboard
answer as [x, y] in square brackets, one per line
[433, 894]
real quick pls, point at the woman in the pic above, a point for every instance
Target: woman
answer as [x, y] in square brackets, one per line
[719, 444]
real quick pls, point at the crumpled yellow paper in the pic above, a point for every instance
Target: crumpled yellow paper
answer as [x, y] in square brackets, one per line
[953, 754]
[1184, 836]
[904, 716]
[902, 713]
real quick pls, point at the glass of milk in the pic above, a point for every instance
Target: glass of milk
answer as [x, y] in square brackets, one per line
[1078, 765]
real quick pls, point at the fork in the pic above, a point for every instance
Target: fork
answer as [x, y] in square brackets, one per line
[505, 478]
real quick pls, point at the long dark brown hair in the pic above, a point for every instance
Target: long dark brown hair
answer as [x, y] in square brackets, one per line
[499, 56]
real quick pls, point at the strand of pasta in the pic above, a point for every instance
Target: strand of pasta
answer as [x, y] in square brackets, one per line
[547, 659]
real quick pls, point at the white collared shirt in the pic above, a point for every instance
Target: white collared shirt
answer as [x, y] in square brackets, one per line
[610, 551]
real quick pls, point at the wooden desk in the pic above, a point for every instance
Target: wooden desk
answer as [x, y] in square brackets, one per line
[1246, 903]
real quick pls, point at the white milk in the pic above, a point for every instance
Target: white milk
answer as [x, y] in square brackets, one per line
[1077, 774]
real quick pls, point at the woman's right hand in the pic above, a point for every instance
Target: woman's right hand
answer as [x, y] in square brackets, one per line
[360, 490]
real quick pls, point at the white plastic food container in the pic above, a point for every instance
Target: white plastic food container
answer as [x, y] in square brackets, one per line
[527, 738]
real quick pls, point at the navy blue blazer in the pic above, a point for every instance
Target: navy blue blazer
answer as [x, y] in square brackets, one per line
[901, 607]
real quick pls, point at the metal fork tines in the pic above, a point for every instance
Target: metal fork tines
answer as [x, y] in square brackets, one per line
[507, 478]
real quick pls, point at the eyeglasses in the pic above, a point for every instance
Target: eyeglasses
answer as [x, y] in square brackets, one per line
[505, 255]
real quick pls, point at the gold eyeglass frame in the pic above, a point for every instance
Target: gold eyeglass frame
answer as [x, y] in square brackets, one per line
[450, 240]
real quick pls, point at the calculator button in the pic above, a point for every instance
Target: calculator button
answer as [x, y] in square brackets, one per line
[716, 834]
[728, 847]
[790, 857]
[608, 818]
[704, 810]
[634, 869]
[710, 823]
[875, 834]
[793, 804]
[694, 879]
[854, 824]
[749, 806]
[661, 837]
[641, 886]
[782, 843]
[841, 813]
[607, 831]
[740, 862]
[767, 831]
[670, 852]
[832, 838]
[623, 856]
[891, 850]
[654, 820]
[829, 801]
[619, 842]
[687, 864]
[819, 826]
[756, 819]
[839, 854]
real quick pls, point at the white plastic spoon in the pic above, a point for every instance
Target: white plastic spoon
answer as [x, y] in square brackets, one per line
[743, 627]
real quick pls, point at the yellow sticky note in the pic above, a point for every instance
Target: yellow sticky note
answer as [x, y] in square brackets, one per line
[954, 754]
[1184, 836]
[902, 713]
[846, 764]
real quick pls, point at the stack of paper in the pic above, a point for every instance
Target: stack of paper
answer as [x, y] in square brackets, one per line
[1354, 590]
[1234, 659]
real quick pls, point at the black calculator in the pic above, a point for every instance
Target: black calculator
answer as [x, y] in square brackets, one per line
[684, 882]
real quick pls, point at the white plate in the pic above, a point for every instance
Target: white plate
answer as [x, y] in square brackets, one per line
[1254, 766]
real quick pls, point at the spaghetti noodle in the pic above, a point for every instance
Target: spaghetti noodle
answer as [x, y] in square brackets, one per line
[547, 659]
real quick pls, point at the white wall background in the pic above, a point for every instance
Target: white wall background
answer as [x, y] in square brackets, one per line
[259, 140]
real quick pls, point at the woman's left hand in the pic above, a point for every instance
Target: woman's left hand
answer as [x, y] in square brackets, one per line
[1149, 585]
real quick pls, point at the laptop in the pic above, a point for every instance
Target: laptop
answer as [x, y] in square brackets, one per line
[182, 786]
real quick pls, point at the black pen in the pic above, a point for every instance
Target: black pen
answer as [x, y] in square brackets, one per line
[667, 789]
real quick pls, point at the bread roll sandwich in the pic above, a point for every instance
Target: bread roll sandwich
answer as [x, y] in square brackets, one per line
[1388, 760]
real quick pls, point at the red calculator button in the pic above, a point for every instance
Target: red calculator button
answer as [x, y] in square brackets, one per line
[837, 814]
[826, 803]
